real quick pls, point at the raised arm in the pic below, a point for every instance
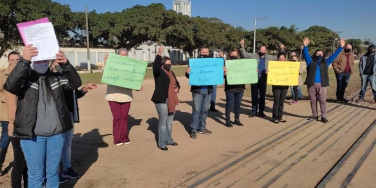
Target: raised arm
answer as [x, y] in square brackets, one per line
[307, 57]
[338, 51]
[157, 68]
[244, 53]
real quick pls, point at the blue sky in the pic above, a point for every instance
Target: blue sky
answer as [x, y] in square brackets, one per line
[355, 18]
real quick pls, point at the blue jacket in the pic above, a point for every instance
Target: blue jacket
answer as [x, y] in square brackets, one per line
[363, 62]
[329, 61]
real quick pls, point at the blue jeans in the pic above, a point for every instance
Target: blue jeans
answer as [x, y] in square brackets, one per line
[293, 93]
[232, 98]
[371, 78]
[4, 141]
[164, 125]
[201, 103]
[213, 97]
[66, 156]
[342, 82]
[43, 155]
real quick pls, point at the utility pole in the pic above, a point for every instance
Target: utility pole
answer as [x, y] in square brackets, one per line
[254, 33]
[87, 42]
[335, 39]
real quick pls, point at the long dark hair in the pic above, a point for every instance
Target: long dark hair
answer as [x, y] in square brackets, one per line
[164, 59]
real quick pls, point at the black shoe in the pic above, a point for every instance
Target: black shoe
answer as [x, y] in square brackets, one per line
[261, 115]
[1, 172]
[213, 110]
[275, 121]
[252, 115]
[324, 120]
[228, 123]
[173, 144]
[282, 121]
[205, 131]
[194, 135]
[238, 123]
[164, 149]
[313, 118]
[345, 101]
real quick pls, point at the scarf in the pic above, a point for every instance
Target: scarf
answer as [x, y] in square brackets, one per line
[173, 99]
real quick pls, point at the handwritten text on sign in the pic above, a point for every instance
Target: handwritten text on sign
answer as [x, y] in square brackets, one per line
[206, 71]
[242, 71]
[124, 72]
[283, 73]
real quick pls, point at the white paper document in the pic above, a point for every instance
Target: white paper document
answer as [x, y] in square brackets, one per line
[42, 36]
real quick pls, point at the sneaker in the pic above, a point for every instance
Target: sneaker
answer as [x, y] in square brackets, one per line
[205, 131]
[324, 120]
[194, 135]
[70, 174]
[294, 103]
[1, 172]
[62, 179]
[313, 118]
[275, 121]
[359, 100]
[119, 144]
[127, 142]
[282, 121]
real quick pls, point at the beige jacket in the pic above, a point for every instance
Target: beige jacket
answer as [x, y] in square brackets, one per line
[10, 100]
[119, 94]
[3, 108]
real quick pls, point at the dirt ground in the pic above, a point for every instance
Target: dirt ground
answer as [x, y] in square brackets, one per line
[260, 154]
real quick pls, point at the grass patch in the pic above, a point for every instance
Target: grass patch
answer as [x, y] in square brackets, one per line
[96, 77]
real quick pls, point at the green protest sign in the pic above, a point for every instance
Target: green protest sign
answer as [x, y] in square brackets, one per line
[241, 71]
[124, 72]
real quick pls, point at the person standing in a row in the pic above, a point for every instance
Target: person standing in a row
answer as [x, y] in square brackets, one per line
[343, 67]
[234, 94]
[201, 101]
[318, 78]
[42, 117]
[120, 99]
[295, 89]
[165, 98]
[367, 68]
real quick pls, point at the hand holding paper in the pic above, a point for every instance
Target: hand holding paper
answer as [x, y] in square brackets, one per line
[29, 52]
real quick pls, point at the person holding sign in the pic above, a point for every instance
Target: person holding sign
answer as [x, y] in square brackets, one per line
[42, 116]
[317, 79]
[279, 95]
[259, 88]
[119, 99]
[201, 102]
[234, 94]
[165, 98]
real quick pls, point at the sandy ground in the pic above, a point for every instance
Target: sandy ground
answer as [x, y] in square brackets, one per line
[260, 154]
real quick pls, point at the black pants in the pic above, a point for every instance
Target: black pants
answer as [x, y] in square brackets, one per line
[256, 90]
[19, 170]
[342, 82]
[279, 94]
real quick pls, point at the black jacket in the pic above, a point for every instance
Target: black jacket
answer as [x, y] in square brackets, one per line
[311, 73]
[196, 89]
[162, 82]
[24, 83]
[72, 103]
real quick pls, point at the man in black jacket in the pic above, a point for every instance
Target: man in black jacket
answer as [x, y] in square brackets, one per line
[201, 102]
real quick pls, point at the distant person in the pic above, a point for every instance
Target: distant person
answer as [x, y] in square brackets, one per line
[120, 99]
[165, 98]
[318, 78]
[279, 96]
[259, 88]
[343, 66]
[42, 116]
[201, 101]
[367, 70]
[296, 89]
[234, 94]
[214, 93]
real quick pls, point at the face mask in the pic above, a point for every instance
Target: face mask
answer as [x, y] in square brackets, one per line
[167, 67]
[347, 50]
[233, 57]
[261, 54]
[40, 68]
[204, 56]
[370, 51]
[319, 58]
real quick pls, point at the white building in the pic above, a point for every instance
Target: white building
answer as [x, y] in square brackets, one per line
[182, 6]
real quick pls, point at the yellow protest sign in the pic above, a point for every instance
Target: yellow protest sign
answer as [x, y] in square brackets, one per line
[283, 73]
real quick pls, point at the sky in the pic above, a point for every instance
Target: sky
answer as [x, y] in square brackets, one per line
[354, 18]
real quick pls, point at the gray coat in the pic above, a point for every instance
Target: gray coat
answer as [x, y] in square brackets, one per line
[363, 62]
[247, 55]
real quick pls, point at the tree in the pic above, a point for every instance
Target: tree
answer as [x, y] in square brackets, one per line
[357, 45]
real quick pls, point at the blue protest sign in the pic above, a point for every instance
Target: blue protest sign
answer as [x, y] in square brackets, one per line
[206, 71]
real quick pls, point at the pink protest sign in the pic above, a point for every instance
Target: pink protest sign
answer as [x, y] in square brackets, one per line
[21, 27]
